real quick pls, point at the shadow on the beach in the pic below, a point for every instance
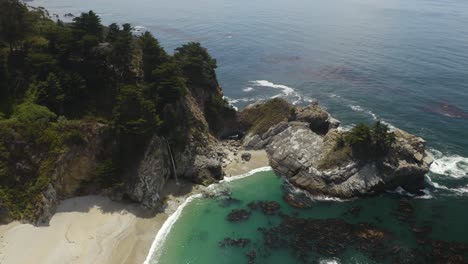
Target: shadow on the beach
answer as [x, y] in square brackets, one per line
[107, 206]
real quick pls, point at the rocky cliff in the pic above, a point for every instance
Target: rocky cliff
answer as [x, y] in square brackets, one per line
[307, 148]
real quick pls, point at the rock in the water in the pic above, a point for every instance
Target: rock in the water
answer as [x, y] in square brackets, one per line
[303, 150]
[238, 215]
[230, 242]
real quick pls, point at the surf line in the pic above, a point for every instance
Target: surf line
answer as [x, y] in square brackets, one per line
[169, 223]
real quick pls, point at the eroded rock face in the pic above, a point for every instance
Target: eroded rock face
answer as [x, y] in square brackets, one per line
[152, 174]
[318, 119]
[297, 149]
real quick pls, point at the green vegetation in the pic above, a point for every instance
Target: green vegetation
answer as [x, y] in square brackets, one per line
[370, 142]
[57, 80]
[361, 142]
[259, 118]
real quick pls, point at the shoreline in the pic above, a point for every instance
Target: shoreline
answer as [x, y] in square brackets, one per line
[258, 163]
[94, 229]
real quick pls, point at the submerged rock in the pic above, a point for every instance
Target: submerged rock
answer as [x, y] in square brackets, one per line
[268, 208]
[230, 242]
[251, 255]
[238, 215]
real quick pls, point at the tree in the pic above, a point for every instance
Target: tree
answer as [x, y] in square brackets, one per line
[197, 64]
[88, 24]
[153, 55]
[370, 142]
[168, 84]
[15, 22]
[360, 139]
[113, 32]
[122, 52]
[382, 139]
[50, 94]
[134, 114]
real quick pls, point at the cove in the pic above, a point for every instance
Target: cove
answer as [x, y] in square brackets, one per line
[382, 229]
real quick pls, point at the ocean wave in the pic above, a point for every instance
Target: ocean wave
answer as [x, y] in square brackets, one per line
[346, 128]
[427, 195]
[250, 173]
[247, 89]
[264, 83]
[287, 91]
[358, 108]
[156, 246]
[166, 228]
[319, 198]
[459, 191]
[450, 165]
[400, 191]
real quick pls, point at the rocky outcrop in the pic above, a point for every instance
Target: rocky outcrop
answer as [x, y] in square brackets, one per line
[154, 170]
[304, 151]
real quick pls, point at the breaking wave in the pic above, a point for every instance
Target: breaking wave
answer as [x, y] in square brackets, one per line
[459, 191]
[263, 83]
[156, 247]
[154, 252]
[247, 89]
[450, 165]
[286, 91]
[400, 191]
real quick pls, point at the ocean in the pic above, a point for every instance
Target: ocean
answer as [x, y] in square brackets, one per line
[404, 62]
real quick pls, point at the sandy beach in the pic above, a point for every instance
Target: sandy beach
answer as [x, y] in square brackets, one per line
[237, 166]
[94, 229]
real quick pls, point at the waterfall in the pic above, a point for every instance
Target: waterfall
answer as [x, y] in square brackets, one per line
[172, 160]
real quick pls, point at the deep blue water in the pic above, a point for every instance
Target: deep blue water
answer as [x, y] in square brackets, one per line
[394, 58]
[402, 61]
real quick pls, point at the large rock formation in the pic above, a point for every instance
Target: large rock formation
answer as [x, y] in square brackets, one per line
[304, 150]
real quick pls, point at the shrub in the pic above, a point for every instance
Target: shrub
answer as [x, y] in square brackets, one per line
[259, 118]
[32, 113]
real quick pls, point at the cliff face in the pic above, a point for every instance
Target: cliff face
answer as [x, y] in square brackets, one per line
[196, 160]
[45, 169]
[304, 150]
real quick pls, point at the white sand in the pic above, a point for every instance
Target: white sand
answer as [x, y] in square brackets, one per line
[237, 166]
[94, 229]
[88, 229]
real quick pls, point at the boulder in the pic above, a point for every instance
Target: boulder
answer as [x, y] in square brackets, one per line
[246, 156]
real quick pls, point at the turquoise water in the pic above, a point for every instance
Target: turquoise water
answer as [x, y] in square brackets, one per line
[203, 224]
[402, 61]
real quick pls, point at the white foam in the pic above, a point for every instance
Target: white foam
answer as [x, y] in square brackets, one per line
[234, 101]
[346, 128]
[329, 261]
[427, 195]
[450, 165]
[166, 228]
[264, 83]
[399, 190]
[322, 198]
[156, 247]
[247, 89]
[458, 191]
[250, 173]
[358, 108]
